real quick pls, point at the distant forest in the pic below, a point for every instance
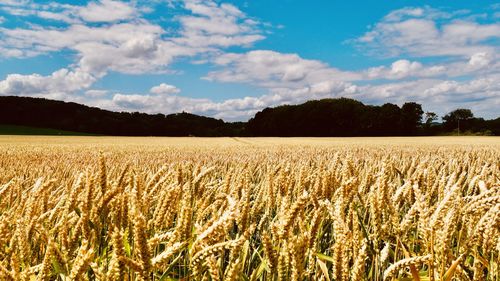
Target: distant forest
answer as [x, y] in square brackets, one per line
[318, 118]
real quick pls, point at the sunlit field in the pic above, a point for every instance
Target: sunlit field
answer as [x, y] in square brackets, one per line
[106, 208]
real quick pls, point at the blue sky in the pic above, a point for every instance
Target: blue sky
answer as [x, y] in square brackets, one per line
[230, 59]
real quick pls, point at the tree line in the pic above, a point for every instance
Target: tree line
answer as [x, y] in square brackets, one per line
[349, 118]
[69, 116]
[326, 117]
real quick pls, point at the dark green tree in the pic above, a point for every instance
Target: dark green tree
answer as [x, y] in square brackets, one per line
[389, 120]
[458, 118]
[411, 117]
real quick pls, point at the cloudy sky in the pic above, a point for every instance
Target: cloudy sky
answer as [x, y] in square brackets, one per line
[230, 59]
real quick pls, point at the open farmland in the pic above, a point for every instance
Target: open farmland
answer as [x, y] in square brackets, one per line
[103, 208]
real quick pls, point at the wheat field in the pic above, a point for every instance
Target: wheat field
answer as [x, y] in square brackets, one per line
[103, 208]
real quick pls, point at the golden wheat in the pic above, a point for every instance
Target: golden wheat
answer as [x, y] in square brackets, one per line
[95, 208]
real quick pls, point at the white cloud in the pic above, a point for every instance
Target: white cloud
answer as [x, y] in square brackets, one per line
[17, 11]
[155, 103]
[271, 69]
[51, 39]
[10, 52]
[164, 89]
[51, 11]
[15, 2]
[480, 60]
[129, 43]
[401, 69]
[57, 16]
[60, 83]
[213, 24]
[125, 47]
[422, 32]
[106, 11]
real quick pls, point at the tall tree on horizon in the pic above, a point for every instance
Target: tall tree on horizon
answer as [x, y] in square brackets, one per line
[458, 118]
[411, 117]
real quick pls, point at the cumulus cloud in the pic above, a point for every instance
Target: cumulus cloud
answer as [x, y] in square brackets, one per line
[10, 52]
[213, 24]
[403, 68]
[56, 16]
[102, 11]
[119, 39]
[15, 2]
[156, 103]
[164, 89]
[59, 83]
[52, 11]
[480, 60]
[272, 69]
[422, 32]
[106, 11]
